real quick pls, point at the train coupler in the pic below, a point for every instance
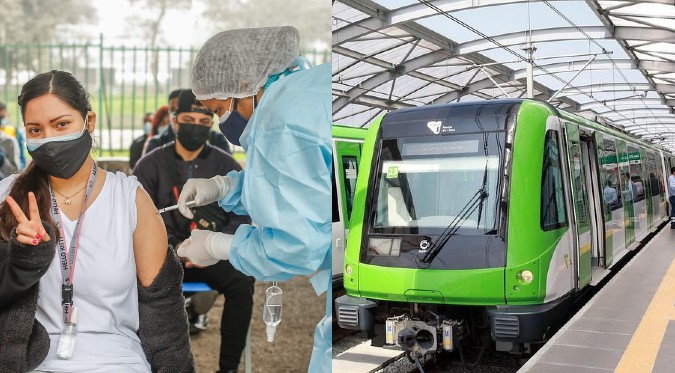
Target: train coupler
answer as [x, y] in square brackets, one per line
[422, 337]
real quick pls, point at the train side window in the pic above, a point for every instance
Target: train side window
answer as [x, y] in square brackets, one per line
[611, 191]
[350, 167]
[553, 213]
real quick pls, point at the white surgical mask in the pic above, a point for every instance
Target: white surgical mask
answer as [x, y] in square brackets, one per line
[226, 114]
[33, 144]
[161, 130]
[4, 121]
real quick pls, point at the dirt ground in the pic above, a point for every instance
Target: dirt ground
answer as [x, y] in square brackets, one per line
[292, 346]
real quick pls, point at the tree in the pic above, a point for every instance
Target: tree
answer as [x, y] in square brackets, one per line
[311, 17]
[35, 21]
[155, 11]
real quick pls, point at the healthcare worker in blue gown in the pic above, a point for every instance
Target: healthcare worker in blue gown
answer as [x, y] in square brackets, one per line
[279, 109]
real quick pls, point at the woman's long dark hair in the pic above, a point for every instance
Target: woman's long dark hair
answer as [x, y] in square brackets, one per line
[33, 179]
[162, 113]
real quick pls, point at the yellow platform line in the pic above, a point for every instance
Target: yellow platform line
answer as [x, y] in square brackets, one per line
[641, 352]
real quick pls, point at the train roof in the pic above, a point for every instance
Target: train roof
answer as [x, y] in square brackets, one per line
[346, 132]
[498, 108]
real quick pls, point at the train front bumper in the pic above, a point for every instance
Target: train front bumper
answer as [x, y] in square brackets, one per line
[355, 313]
[528, 324]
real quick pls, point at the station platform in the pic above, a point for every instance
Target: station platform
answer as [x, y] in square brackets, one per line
[363, 358]
[628, 327]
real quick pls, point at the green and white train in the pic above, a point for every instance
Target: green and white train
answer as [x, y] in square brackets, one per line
[482, 222]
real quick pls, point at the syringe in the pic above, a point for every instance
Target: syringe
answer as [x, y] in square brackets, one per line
[174, 207]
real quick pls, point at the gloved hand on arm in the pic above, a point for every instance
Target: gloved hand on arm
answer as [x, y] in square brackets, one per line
[203, 192]
[205, 248]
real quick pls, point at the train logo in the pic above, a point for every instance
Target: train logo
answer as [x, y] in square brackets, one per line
[424, 245]
[447, 129]
[435, 126]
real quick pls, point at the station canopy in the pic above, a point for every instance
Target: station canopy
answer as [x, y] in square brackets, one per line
[609, 61]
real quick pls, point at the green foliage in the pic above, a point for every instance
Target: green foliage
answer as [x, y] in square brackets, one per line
[36, 21]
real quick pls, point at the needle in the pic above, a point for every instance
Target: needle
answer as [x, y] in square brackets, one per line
[174, 207]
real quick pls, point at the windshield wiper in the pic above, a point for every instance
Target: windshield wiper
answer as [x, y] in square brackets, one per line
[466, 211]
[483, 187]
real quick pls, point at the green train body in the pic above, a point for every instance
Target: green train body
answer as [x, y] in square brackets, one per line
[559, 212]
[347, 144]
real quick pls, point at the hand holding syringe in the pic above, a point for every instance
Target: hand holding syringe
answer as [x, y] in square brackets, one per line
[175, 207]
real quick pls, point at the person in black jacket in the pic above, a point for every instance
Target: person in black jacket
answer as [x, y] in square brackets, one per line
[163, 173]
[216, 139]
[136, 149]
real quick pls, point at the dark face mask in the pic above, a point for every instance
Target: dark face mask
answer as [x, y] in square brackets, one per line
[192, 136]
[62, 159]
[235, 124]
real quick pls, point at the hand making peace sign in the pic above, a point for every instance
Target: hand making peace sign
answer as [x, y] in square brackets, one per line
[29, 232]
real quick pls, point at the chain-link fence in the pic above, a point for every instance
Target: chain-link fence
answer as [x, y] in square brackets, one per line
[124, 82]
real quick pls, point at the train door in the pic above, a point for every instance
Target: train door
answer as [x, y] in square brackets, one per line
[346, 156]
[647, 180]
[605, 158]
[581, 195]
[593, 181]
[627, 192]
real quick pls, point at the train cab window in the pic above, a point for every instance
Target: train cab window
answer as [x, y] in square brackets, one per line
[553, 214]
[426, 184]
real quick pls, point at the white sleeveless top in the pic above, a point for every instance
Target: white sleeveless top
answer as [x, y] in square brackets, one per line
[104, 285]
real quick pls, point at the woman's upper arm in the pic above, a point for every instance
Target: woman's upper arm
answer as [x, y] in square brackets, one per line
[150, 242]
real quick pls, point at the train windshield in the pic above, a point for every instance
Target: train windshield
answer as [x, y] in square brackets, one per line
[424, 184]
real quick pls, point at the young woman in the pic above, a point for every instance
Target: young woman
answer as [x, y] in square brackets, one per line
[83, 247]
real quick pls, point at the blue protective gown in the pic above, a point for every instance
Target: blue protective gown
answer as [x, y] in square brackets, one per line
[286, 189]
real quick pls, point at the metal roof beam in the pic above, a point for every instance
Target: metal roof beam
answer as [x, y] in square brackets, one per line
[606, 87]
[357, 29]
[362, 58]
[662, 66]
[378, 102]
[657, 117]
[419, 11]
[636, 110]
[385, 76]
[621, 102]
[573, 66]
[657, 135]
[625, 33]
[568, 33]
[538, 36]
[388, 66]
[644, 33]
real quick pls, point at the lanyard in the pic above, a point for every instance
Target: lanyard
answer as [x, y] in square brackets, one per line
[68, 258]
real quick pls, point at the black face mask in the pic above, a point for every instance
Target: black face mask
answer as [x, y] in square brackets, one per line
[62, 159]
[192, 136]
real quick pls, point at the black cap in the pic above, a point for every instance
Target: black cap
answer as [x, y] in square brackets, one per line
[2, 105]
[186, 100]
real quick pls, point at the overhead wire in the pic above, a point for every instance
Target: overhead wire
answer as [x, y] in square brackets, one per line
[591, 40]
[518, 55]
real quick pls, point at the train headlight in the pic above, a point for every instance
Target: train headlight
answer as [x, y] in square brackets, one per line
[525, 276]
[348, 269]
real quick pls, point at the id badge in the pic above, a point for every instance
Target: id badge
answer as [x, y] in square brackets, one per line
[66, 345]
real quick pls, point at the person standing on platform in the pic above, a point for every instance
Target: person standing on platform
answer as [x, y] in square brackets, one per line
[671, 196]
